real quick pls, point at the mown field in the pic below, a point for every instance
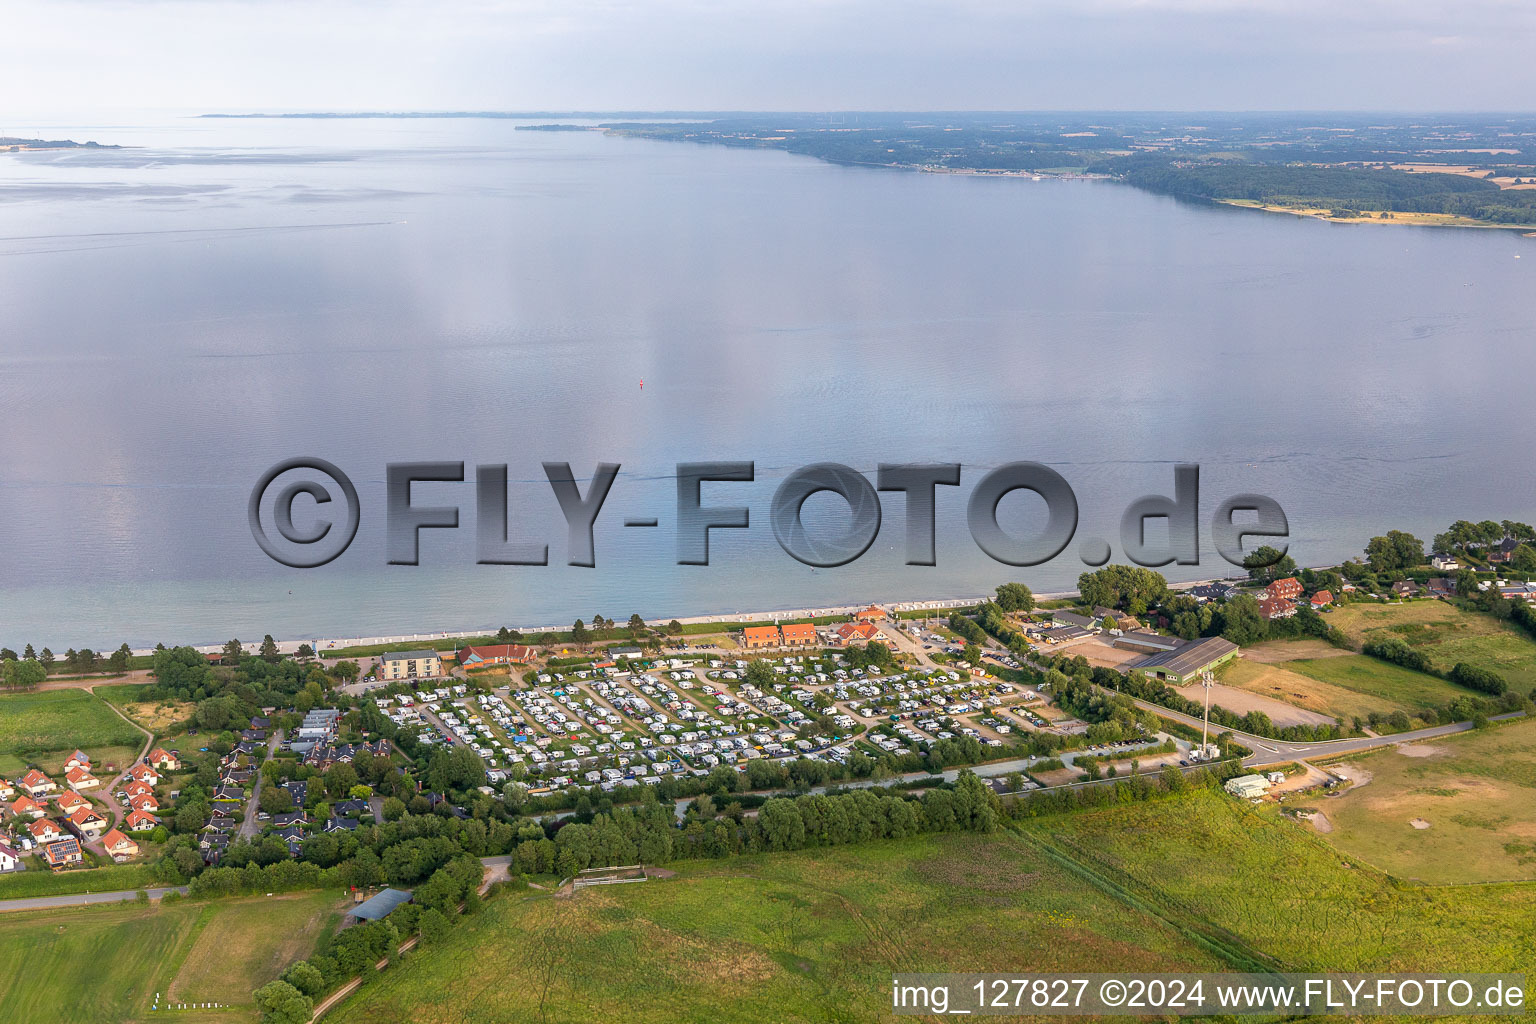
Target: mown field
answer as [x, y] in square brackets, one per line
[1199, 882]
[246, 944]
[1473, 796]
[105, 964]
[1280, 682]
[1374, 679]
[36, 725]
[1447, 635]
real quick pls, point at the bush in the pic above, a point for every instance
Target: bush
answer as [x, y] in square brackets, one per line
[1474, 678]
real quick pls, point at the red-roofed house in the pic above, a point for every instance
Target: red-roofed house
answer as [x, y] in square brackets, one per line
[1288, 589]
[755, 637]
[134, 789]
[871, 614]
[856, 632]
[144, 773]
[7, 790]
[25, 807]
[1276, 608]
[81, 778]
[87, 824]
[141, 821]
[1322, 599]
[69, 803]
[147, 802]
[79, 759]
[46, 830]
[496, 654]
[63, 853]
[119, 847]
[37, 784]
[801, 634]
[162, 758]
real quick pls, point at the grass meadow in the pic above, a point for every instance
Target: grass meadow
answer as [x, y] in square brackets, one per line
[1455, 809]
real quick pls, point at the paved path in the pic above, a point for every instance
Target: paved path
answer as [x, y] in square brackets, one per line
[250, 826]
[80, 899]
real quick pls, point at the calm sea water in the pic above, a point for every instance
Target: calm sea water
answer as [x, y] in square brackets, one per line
[177, 317]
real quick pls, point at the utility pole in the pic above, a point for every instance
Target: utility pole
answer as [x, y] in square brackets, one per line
[1207, 680]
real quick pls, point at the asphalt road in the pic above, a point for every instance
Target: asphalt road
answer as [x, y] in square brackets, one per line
[79, 899]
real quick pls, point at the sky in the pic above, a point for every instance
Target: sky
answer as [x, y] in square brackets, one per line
[99, 56]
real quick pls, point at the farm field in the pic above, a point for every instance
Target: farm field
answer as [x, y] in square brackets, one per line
[1278, 681]
[1447, 635]
[1472, 795]
[246, 944]
[116, 958]
[110, 957]
[1196, 882]
[1379, 680]
[34, 725]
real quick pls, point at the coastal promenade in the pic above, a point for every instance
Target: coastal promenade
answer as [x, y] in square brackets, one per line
[322, 644]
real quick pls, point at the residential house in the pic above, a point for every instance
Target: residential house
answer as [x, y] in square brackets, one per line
[340, 825]
[496, 654]
[79, 759]
[81, 778]
[1322, 599]
[7, 790]
[86, 823]
[423, 664]
[145, 774]
[1405, 588]
[63, 853]
[69, 803]
[1501, 553]
[165, 760]
[1276, 608]
[141, 821]
[147, 802]
[1288, 589]
[757, 637]
[10, 860]
[856, 633]
[37, 784]
[25, 807]
[1441, 587]
[1211, 592]
[119, 847]
[46, 830]
[1445, 563]
[874, 613]
[798, 634]
[136, 789]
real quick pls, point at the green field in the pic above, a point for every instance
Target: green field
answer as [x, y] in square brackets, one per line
[250, 942]
[1198, 882]
[1446, 634]
[42, 882]
[1282, 683]
[1382, 680]
[35, 725]
[104, 964]
[1475, 793]
[87, 965]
